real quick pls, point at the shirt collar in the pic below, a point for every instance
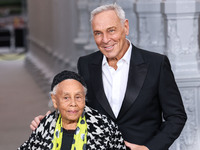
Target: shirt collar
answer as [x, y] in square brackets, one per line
[126, 57]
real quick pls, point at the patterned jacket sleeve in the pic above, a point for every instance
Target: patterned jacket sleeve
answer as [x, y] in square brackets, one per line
[103, 133]
[27, 144]
[117, 142]
[42, 136]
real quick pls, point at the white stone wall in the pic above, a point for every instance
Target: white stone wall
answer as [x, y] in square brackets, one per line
[60, 32]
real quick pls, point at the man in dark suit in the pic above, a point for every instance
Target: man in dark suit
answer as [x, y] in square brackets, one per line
[150, 89]
[133, 87]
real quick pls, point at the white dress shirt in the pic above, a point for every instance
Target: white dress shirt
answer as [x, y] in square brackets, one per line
[115, 81]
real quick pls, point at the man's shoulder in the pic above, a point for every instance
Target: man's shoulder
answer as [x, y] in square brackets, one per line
[148, 55]
[147, 52]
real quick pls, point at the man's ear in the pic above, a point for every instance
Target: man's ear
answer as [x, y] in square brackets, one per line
[126, 26]
[53, 98]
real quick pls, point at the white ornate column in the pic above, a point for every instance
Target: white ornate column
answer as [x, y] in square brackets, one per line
[150, 25]
[40, 41]
[91, 46]
[84, 26]
[65, 23]
[182, 44]
[182, 48]
[58, 32]
[190, 136]
[131, 16]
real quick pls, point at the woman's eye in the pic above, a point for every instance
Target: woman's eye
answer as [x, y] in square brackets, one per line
[79, 98]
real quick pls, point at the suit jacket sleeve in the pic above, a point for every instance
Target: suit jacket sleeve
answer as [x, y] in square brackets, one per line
[172, 107]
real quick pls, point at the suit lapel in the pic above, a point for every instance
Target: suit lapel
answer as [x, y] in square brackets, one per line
[137, 74]
[97, 84]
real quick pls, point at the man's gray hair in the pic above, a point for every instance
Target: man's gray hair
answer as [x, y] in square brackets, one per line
[119, 11]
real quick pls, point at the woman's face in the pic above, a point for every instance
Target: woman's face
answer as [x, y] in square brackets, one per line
[69, 100]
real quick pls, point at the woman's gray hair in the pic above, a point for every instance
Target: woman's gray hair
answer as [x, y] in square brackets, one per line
[119, 11]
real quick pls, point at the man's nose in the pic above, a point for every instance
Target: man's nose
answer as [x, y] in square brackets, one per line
[106, 38]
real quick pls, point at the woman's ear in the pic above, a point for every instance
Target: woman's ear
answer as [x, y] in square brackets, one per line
[53, 98]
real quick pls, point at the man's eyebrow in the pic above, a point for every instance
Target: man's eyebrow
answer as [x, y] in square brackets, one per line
[111, 27]
[66, 93]
[96, 31]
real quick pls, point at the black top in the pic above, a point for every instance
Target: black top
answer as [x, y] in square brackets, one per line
[67, 139]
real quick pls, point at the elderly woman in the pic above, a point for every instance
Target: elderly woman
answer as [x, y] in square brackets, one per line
[73, 125]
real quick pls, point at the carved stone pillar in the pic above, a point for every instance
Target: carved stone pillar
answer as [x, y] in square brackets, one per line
[84, 26]
[65, 27]
[131, 16]
[57, 36]
[150, 25]
[91, 46]
[182, 45]
[38, 60]
[182, 48]
[190, 136]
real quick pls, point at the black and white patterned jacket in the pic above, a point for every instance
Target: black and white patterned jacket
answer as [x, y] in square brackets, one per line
[103, 134]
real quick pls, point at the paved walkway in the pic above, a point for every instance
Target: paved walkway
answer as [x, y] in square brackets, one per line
[21, 99]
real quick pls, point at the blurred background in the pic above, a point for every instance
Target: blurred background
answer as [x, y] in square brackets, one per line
[39, 38]
[21, 99]
[13, 23]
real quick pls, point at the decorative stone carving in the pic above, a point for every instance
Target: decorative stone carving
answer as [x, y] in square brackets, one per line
[182, 44]
[150, 25]
[174, 46]
[190, 92]
[190, 130]
[143, 37]
[182, 47]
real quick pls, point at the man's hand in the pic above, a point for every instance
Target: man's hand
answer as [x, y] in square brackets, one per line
[34, 124]
[135, 146]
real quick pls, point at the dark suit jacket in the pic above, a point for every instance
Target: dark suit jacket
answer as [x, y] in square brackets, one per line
[152, 111]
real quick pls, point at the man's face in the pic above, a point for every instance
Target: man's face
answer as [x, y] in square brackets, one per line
[110, 34]
[69, 100]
